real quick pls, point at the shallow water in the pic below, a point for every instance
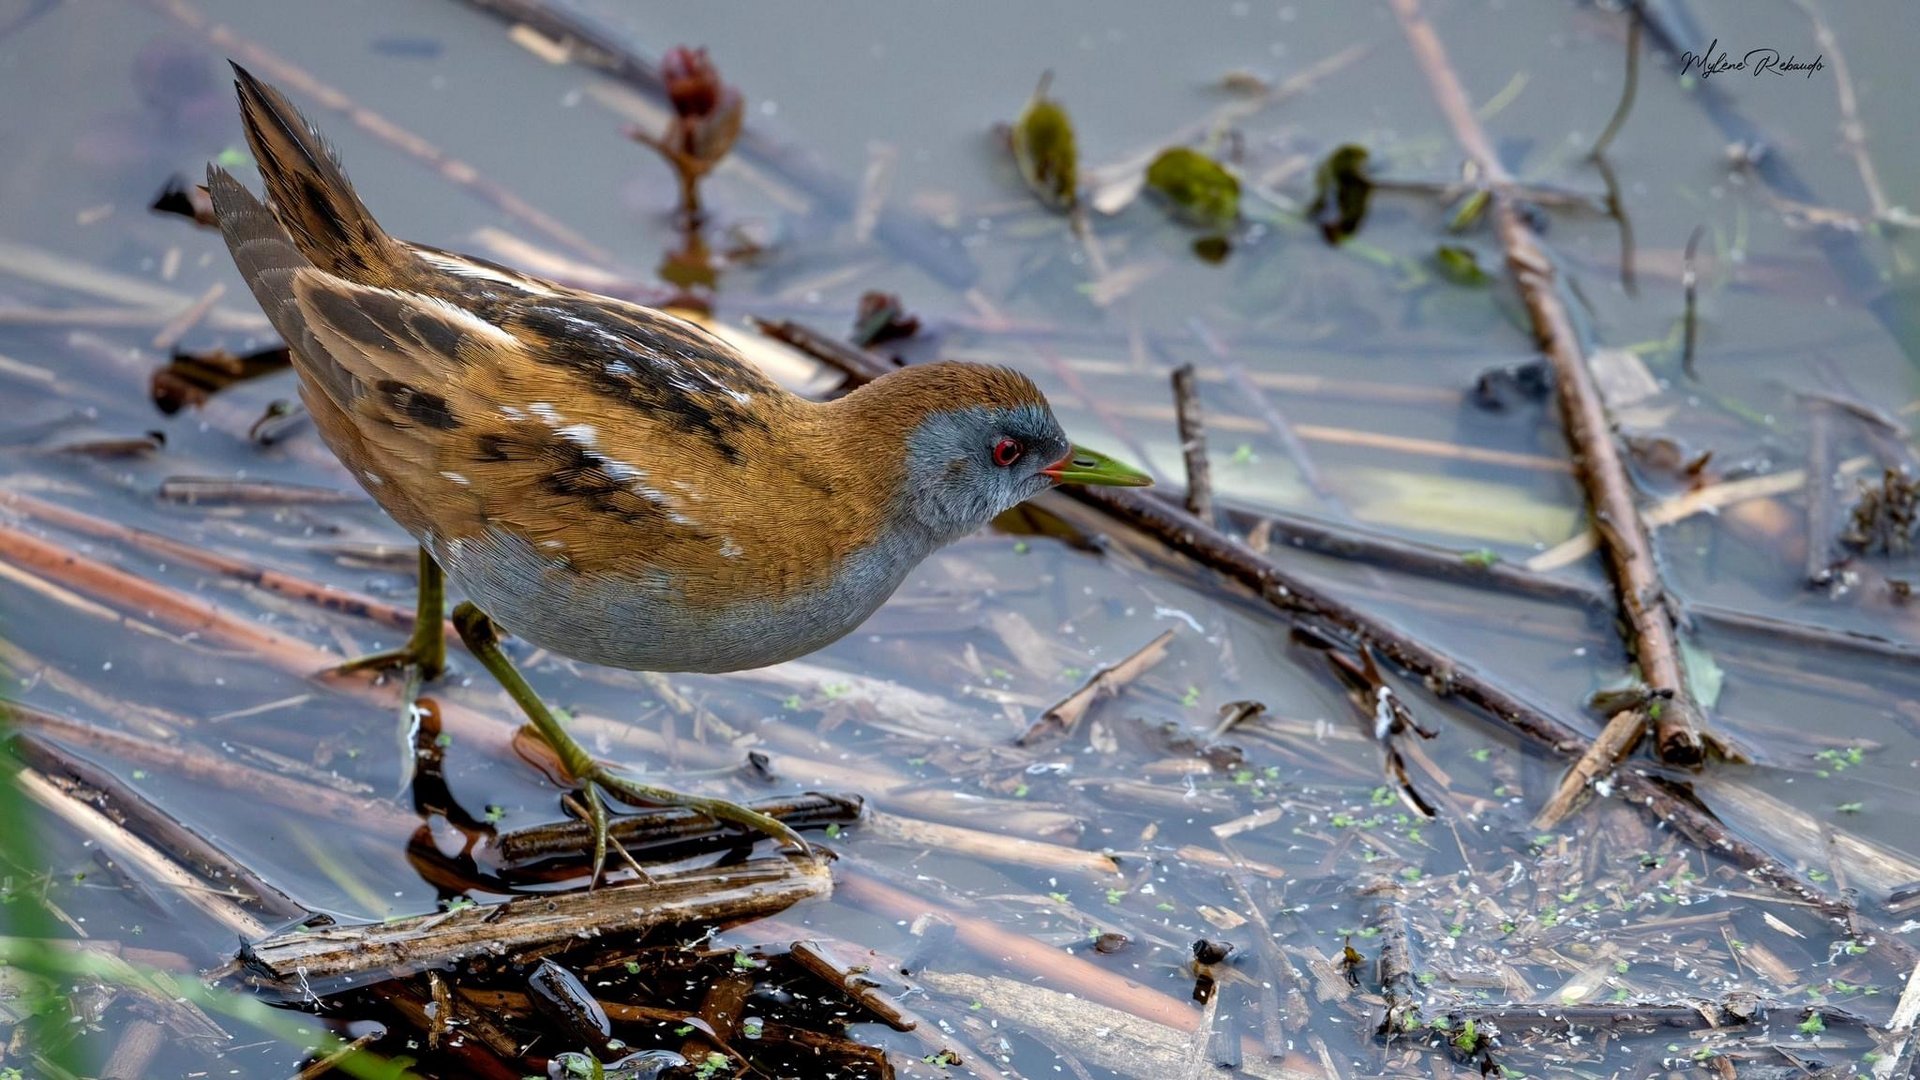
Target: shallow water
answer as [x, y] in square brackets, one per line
[1364, 348]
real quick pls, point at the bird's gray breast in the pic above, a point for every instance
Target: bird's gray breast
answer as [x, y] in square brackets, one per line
[646, 625]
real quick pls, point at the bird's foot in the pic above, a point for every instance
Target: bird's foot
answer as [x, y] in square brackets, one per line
[600, 779]
[427, 658]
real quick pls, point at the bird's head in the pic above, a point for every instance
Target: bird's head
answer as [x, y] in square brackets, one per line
[973, 441]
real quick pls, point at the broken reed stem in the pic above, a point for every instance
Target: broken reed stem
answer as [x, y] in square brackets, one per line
[1613, 744]
[132, 1058]
[1680, 729]
[1621, 110]
[1445, 675]
[321, 95]
[344, 956]
[1062, 718]
[220, 491]
[1193, 444]
[1023, 953]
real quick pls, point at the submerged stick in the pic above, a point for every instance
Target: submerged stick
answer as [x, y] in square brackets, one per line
[1193, 444]
[1680, 729]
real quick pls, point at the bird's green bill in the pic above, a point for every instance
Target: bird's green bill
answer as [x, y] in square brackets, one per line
[1083, 466]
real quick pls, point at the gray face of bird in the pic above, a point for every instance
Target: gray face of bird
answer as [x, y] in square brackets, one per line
[966, 466]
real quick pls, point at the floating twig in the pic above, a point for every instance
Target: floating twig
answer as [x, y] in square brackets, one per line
[137, 854]
[1108, 681]
[1680, 729]
[1615, 741]
[1395, 969]
[851, 980]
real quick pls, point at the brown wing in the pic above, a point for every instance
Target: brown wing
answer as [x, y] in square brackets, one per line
[615, 438]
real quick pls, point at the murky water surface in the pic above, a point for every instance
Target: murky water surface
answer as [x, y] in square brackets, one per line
[1283, 834]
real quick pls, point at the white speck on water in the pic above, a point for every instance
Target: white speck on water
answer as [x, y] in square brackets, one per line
[1176, 613]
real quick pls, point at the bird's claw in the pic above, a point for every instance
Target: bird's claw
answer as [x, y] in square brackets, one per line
[634, 793]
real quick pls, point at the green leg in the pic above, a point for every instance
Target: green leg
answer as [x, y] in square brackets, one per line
[426, 648]
[478, 632]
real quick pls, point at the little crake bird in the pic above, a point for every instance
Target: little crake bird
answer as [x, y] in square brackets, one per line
[606, 480]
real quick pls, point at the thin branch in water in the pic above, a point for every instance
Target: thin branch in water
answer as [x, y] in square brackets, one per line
[1193, 444]
[1626, 91]
[1690, 281]
[1682, 736]
[1106, 682]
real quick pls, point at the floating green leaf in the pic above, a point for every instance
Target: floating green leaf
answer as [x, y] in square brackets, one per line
[1470, 211]
[1044, 151]
[1197, 187]
[1459, 265]
[1340, 193]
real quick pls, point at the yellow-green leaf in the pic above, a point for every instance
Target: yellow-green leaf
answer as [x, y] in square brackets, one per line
[1459, 265]
[1043, 149]
[1198, 188]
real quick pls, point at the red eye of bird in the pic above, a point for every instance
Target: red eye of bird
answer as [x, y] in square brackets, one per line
[1007, 451]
